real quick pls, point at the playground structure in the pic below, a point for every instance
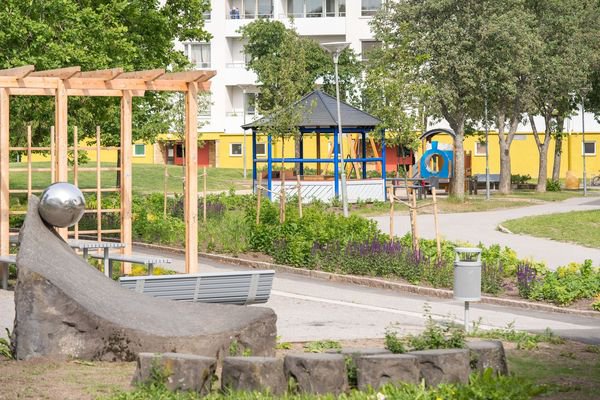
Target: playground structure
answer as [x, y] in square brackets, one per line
[321, 119]
[71, 81]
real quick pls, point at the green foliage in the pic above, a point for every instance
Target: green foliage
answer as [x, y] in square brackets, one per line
[484, 386]
[236, 349]
[6, 347]
[282, 345]
[434, 336]
[552, 185]
[568, 284]
[320, 346]
[518, 179]
[596, 304]
[394, 343]
[134, 35]
[524, 340]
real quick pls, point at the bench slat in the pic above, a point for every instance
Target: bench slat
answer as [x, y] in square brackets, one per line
[248, 287]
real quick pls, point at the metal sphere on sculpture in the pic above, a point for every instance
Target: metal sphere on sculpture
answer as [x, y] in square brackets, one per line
[62, 205]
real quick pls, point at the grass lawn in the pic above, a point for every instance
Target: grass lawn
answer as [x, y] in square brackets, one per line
[146, 178]
[581, 227]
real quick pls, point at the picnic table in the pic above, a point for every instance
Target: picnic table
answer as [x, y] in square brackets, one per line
[86, 245]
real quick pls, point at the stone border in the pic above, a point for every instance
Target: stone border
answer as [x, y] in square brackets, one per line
[375, 282]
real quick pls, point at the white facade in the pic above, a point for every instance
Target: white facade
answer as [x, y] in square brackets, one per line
[322, 20]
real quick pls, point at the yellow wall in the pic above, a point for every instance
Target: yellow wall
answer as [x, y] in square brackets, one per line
[525, 156]
[105, 155]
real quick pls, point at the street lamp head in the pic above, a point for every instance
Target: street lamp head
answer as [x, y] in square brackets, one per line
[335, 48]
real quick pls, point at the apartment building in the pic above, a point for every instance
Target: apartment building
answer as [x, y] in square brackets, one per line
[234, 87]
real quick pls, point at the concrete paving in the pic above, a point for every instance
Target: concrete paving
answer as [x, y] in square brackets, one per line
[311, 309]
[475, 227]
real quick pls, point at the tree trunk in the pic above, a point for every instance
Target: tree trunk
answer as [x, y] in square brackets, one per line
[558, 144]
[505, 168]
[458, 174]
[543, 153]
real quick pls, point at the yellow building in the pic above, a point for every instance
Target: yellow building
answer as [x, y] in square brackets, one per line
[227, 151]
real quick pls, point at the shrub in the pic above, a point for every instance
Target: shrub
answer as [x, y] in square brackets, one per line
[568, 284]
[519, 179]
[552, 185]
[526, 279]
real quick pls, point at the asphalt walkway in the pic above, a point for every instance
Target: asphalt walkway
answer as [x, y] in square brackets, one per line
[475, 227]
[312, 309]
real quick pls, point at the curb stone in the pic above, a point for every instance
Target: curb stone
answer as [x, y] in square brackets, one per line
[376, 283]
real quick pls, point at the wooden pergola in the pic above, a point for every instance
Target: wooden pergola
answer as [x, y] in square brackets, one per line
[71, 81]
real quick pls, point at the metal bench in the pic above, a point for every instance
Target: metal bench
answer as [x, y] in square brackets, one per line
[5, 261]
[244, 287]
[149, 261]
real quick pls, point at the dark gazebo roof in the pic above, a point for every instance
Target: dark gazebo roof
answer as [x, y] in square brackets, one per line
[324, 114]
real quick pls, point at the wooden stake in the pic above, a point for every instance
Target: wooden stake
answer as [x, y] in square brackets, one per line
[258, 197]
[299, 196]
[437, 227]
[165, 177]
[414, 221]
[204, 193]
[391, 195]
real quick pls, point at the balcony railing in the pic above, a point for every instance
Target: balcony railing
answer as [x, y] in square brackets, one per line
[249, 15]
[319, 14]
[240, 64]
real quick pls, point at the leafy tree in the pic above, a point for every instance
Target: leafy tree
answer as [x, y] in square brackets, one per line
[508, 35]
[390, 87]
[569, 32]
[287, 67]
[96, 34]
[442, 37]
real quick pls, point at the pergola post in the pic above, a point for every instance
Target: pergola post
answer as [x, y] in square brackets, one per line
[61, 136]
[126, 174]
[191, 183]
[4, 163]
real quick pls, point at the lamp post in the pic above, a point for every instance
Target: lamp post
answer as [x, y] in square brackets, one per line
[487, 152]
[244, 105]
[336, 48]
[583, 141]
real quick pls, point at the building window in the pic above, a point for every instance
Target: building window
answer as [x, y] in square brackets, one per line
[370, 7]
[139, 150]
[480, 148]
[367, 47]
[589, 148]
[519, 137]
[316, 8]
[199, 54]
[235, 149]
[250, 9]
[261, 149]
[250, 101]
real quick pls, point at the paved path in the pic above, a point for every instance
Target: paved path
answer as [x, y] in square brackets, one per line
[475, 227]
[310, 309]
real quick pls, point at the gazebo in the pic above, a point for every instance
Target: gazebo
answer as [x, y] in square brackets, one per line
[320, 118]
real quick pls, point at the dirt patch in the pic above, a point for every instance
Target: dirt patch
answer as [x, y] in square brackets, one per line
[53, 380]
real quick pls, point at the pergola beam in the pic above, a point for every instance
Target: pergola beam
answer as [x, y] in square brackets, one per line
[18, 72]
[106, 74]
[60, 73]
[148, 75]
[188, 76]
[73, 92]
